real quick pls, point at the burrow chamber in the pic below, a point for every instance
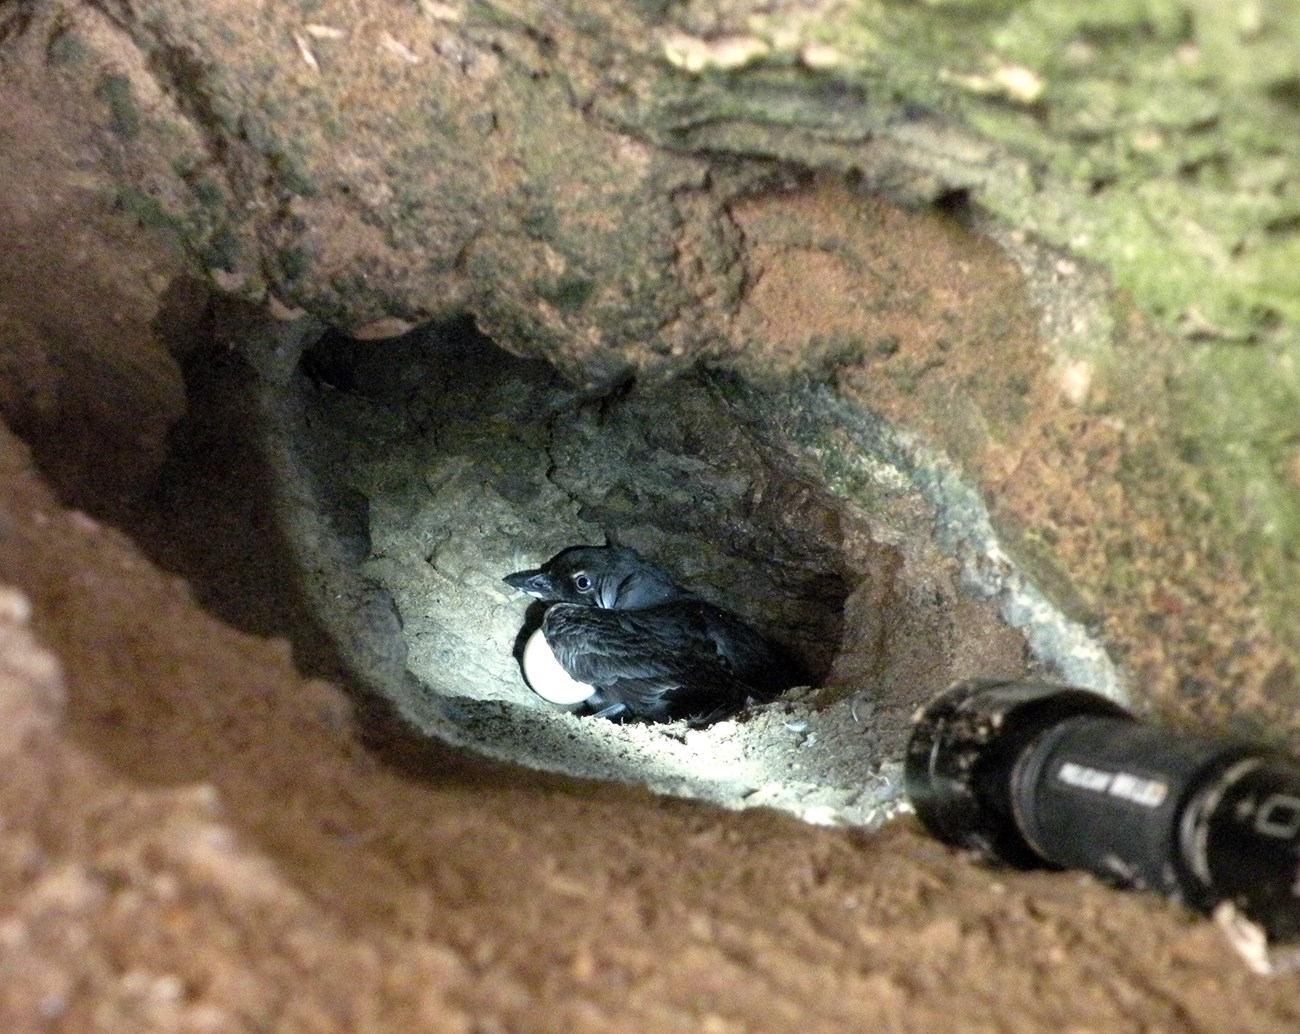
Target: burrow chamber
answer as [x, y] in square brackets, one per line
[414, 472]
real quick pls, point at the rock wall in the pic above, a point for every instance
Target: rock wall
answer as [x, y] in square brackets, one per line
[1053, 243]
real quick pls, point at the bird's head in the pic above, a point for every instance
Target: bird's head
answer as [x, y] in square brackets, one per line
[610, 577]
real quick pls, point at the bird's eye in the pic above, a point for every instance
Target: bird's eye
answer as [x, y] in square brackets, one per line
[581, 582]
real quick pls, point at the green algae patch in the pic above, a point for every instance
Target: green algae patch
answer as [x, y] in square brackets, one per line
[1159, 139]
[1166, 134]
[124, 114]
[1240, 409]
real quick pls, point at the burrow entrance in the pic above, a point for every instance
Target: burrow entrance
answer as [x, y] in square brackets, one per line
[415, 472]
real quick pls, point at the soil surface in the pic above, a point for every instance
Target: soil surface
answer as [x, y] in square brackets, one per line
[197, 836]
[196, 839]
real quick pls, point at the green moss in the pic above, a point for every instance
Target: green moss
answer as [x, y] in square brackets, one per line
[209, 193]
[292, 176]
[1223, 468]
[184, 165]
[295, 263]
[570, 292]
[148, 211]
[66, 49]
[1160, 138]
[124, 117]
[539, 222]
[1244, 402]
[222, 250]
[260, 134]
[1161, 142]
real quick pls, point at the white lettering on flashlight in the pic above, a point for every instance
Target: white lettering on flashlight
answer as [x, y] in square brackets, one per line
[1149, 793]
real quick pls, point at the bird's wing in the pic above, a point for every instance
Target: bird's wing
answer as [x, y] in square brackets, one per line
[662, 661]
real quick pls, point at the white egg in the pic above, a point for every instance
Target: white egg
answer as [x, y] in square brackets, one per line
[545, 676]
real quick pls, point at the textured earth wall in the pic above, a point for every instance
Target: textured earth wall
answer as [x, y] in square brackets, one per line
[1052, 244]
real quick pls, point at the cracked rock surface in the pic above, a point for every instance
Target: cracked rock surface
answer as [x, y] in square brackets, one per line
[199, 837]
[455, 463]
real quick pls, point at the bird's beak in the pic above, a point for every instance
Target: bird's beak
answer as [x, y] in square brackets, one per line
[537, 584]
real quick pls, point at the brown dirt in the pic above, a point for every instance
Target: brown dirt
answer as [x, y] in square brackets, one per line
[195, 839]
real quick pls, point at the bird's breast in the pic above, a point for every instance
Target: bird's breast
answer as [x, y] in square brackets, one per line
[547, 678]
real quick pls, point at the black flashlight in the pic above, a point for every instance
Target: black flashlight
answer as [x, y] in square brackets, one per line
[1035, 775]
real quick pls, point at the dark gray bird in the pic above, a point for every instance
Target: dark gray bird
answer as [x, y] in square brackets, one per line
[651, 650]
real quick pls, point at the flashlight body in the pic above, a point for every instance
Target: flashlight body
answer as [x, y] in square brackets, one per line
[1033, 774]
[1109, 795]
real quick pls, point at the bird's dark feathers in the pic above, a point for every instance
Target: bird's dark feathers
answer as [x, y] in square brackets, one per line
[619, 623]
